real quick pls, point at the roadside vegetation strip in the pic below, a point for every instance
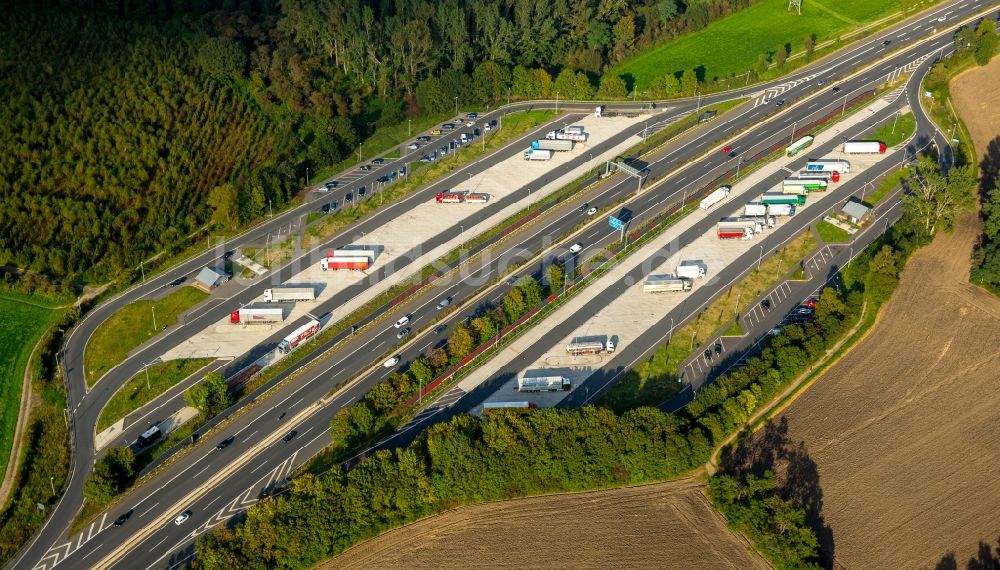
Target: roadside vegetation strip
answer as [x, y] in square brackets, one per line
[895, 132]
[890, 182]
[133, 325]
[760, 30]
[136, 393]
[44, 459]
[830, 233]
[21, 327]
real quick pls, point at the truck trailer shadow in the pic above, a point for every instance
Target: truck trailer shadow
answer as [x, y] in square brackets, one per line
[771, 449]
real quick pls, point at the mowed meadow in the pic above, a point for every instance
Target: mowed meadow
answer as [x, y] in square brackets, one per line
[759, 29]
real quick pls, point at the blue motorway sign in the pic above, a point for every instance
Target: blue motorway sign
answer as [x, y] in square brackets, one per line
[615, 223]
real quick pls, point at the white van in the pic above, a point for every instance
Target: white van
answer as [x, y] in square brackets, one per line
[611, 346]
[391, 362]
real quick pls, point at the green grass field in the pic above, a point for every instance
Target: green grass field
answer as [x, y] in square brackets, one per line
[21, 325]
[831, 233]
[895, 132]
[133, 325]
[758, 29]
[135, 394]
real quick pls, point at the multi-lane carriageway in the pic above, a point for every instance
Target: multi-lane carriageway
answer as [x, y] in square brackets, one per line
[253, 426]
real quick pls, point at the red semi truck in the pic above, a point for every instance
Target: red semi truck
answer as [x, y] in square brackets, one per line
[450, 197]
[300, 334]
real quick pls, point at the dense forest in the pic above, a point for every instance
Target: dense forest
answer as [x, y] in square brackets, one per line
[132, 126]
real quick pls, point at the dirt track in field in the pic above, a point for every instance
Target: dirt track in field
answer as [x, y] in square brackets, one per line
[976, 94]
[905, 429]
[667, 525]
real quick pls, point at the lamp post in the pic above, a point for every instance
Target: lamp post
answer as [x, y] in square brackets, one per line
[894, 122]
[53, 485]
[456, 105]
[146, 368]
[153, 308]
[408, 127]
[557, 101]
[791, 137]
[698, 108]
[143, 269]
[508, 96]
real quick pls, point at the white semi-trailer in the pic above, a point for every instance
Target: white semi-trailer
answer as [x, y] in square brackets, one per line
[754, 209]
[864, 147]
[557, 145]
[841, 166]
[289, 294]
[257, 315]
[715, 197]
[543, 384]
[665, 284]
[533, 154]
[691, 269]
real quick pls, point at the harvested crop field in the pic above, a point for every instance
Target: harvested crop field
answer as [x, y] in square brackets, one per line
[667, 525]
[976, 94]
[902, 432]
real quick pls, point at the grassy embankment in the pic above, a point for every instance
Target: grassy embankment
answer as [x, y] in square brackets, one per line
[654, 380]
[758, 30]
[24, 320]
[138, 392]
[830, 233]
[133, 325]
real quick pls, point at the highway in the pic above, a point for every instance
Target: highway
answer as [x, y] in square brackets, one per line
[257, 427]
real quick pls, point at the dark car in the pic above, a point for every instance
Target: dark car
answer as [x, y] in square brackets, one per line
[803, 311]
[124, 517]
[472, 115]
[354, 329]
[325, 209]
[493, 123]
[361, 191]
[178, 281]
[886, 42]
[366, 167]
[382, 179]
[440, 329]
[718, 348]
[377, 161]
[332, 185]
[348, 197]
[766, 304]
[836, 88]
[585, 207]
[448, 126]
[476, 132]
[424, 138]
[402, 333]
[779, 102]
[732, 154]
[708, 354]
[226, 442]
[291, 435]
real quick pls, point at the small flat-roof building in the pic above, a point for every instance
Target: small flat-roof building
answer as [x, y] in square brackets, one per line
[855, 212]
[208, 278]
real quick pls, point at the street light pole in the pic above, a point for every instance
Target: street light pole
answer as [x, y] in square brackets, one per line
[153, 308]
[698, 108]
[456, 105]
[894, 122]
[557, 101]
[508, 96]
[53, 485]
[143, 269]
[146, 368]
[270, 213]
[844, 108]
[408, 127]
[791, 138]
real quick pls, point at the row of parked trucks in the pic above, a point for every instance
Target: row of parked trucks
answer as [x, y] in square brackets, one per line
[555, 141]
[681, 280]
[264, 313]
[461, 198]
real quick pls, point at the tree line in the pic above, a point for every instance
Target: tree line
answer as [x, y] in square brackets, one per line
[134, 127]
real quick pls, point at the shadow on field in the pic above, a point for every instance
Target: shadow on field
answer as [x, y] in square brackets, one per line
[986, 559]
[795, 473]
[989, 169]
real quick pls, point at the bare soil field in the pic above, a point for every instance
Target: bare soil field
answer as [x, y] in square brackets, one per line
[900, 441]
[976, 94]
[667, 525]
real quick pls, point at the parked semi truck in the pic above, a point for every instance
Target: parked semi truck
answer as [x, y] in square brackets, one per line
[585, 347]
[864, 147]
[489, 406]
[532, 154]
[797, 146]
[558, 145]
[567, 136]
[543, 384]
[257, 315]
[841, 166]
[802, 185]
[770, 198]
[738, 228]
[477, 197]
[575, 129]
[304, 332]
[356, 259]
[828, 175]
[781, 210]
[715, 197]
[665, 284]
[691, 269]
[754, 209]
[289, 294]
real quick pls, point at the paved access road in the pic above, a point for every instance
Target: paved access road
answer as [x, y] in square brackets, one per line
[262, 422]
